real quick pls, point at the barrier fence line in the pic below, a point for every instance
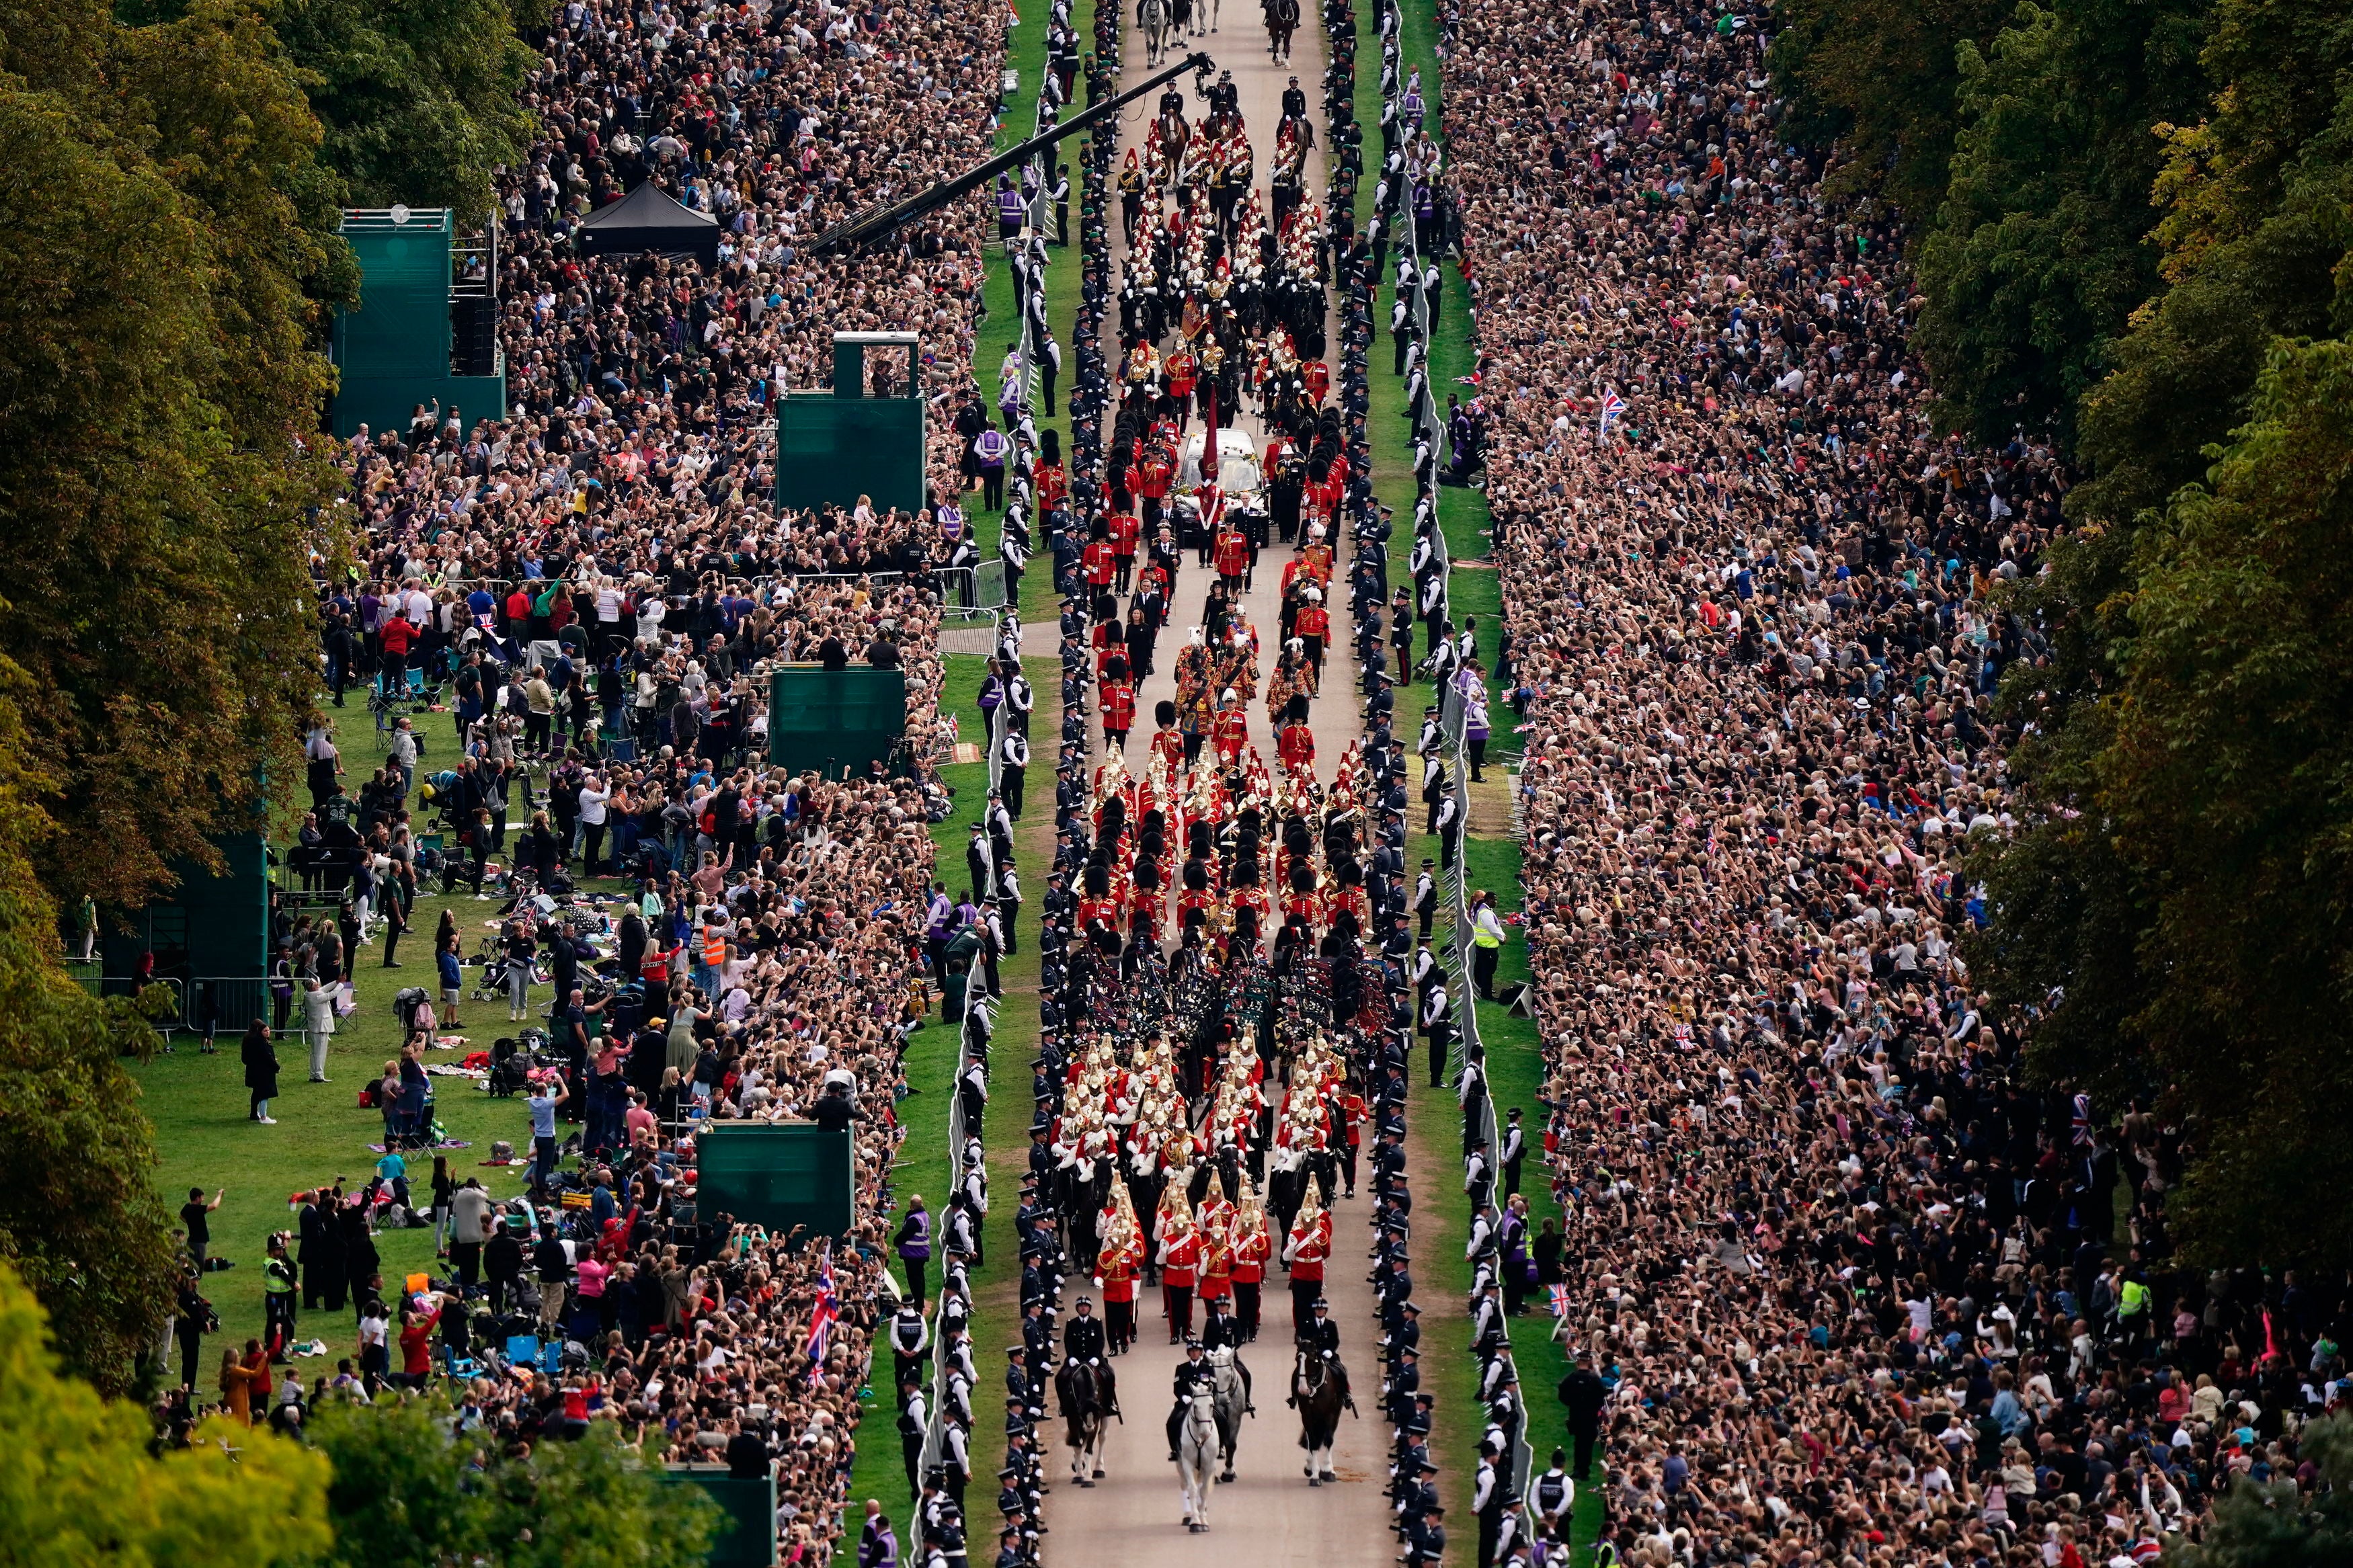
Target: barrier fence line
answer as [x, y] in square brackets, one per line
[1469, 1054]
[936, 1422]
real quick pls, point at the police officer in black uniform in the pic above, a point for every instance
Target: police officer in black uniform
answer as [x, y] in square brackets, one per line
[1194, 1375]
[1083, 1336]
[1319, 1333]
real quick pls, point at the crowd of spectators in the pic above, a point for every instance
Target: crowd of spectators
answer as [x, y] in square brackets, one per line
[1852, 1290]
[638, 434]
[604, 564]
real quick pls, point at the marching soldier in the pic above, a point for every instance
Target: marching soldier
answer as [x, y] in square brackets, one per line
[1306, 1251]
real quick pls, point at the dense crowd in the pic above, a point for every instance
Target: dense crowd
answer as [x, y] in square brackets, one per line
[1850, 1290]
[598, 579]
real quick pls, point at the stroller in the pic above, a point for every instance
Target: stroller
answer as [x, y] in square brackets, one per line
[496, 964]
[512, 1061]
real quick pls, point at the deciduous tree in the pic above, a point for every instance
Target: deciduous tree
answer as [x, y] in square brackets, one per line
[80, 1490]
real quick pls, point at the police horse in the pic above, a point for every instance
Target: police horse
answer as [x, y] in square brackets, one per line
[1319, 1387]
[1231, 1383]
[1197, 1456]
[1152, 16]
[1089, 1397]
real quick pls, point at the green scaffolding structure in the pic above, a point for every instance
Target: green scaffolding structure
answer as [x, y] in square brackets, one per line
[422, 321]
[833, 447]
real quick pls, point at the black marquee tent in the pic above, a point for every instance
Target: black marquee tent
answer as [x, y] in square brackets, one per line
[649, 220]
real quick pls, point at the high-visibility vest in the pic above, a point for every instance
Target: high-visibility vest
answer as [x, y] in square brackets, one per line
[714, 946]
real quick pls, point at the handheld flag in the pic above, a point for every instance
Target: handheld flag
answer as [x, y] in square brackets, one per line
[823, 1313]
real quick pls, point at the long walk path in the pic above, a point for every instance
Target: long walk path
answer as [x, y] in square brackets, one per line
[1336, 716]
[1134, 1515]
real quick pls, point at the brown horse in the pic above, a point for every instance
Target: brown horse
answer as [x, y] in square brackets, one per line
[1089, 1398]
[1319, 1387]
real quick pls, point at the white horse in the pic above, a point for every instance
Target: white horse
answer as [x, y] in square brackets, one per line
[1152, 16]
[1232, 1404]
[1210, 8]
[1197, 1457]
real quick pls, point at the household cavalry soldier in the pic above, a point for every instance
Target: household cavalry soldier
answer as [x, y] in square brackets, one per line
[1179, 1255]
[1121, 1259]
[1305, 1250]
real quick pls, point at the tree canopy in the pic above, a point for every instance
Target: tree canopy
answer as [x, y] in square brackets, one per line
[2279, 1526]
[406, 1491]
[80, 1219]
[421, 98]
[169, 235]
[79, 1487]
[2132, 231]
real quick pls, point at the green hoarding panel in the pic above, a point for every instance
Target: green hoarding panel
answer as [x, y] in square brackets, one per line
[748, 1536]
[215, 925]
[840, 720]
[831, 451]
[392, 353]
[777, 1176]
[402, 325]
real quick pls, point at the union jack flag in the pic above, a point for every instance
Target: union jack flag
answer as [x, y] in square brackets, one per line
[823, 1313]
[1612, 405]
[1561, 1300]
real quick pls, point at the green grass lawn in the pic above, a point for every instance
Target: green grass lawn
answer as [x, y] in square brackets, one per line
[1026, 53]
[1516, 1077]
[199, 1102]
[1515, 1060]
[925, 1161]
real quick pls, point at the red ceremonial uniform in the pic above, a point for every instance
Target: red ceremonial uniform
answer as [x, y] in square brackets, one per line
[1232, 555]
[1119, 1266]
[1312, 621]
[1118, 705]
[1324, 498]
[1102, 565]
[1230, 732]
[1251, 1254]
[1296, 746]
[1125, 531]
[1313, 1245]
[1144, 913]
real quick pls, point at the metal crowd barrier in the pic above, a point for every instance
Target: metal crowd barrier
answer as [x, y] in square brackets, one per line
[1479, 1116]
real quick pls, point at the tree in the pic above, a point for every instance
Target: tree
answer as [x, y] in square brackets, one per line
[1880, 79]
[406, 1491]
[2277, 1527]
[2202, 805]
[2040, 251]
[79, 1487]
[421, 98]
[2171, 892]
[78, 1216]
[169, 235]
